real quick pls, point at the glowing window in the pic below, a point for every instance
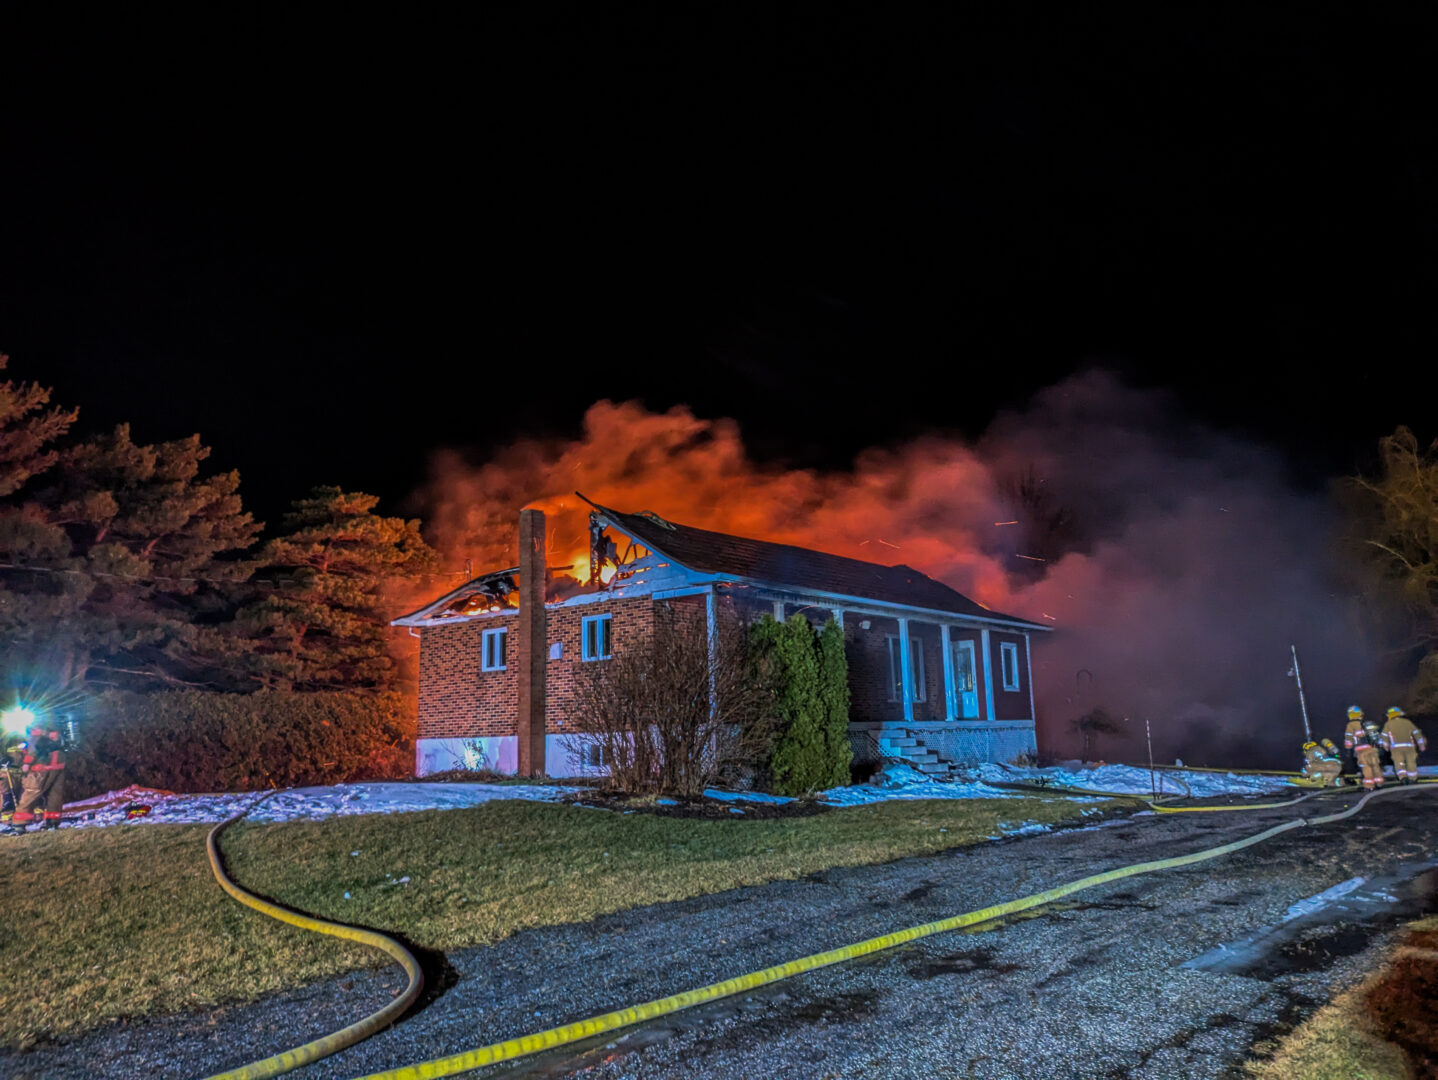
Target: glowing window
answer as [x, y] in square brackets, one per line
[1009, 659]
[492, 649]
[595, 637]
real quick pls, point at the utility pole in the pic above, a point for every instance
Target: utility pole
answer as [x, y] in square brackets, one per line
[1152, 782]
[1302, 702]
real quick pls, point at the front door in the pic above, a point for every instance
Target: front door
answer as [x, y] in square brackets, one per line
[966, 683]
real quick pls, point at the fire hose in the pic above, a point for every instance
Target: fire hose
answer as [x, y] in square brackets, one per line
[337, 1040]
[509, 1049]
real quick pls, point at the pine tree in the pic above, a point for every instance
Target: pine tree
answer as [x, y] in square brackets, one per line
[126, 555]
[322, 621]
[28, 431]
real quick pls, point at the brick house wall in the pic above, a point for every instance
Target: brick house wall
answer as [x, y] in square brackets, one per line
[868, 654]
[456, 698]
[1010, 704]
[631, 623]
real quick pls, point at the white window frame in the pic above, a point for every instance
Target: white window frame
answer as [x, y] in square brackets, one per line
[594, 755]
[1007, 650]
[608, 632]
[916, 662]
[486, 641]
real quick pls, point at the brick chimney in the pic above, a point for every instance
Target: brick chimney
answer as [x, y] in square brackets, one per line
[533, 643]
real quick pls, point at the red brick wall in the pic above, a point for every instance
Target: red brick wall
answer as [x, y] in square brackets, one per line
[632, 622]
[456, 699]
[868, 654]
[1010, 704]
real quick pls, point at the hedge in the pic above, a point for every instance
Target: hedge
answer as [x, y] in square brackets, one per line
[191, 740]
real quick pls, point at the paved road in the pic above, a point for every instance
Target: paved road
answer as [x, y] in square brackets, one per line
[1095, 987]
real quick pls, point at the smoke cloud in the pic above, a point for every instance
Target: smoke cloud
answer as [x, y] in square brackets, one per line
[1175, 562]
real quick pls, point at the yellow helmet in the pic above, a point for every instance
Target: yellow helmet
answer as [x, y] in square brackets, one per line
[1394, 710]
[1355, 713]
[1309, 745]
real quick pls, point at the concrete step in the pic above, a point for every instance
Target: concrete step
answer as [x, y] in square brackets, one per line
[891, 740]
[934, 768]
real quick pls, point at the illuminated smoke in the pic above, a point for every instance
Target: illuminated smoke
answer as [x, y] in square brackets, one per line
[1176, 563]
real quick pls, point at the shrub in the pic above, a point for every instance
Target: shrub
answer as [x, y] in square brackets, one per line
[674, 709]
[190, 740]
[807, 678]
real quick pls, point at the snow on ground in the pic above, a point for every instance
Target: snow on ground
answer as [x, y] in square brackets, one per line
[896, 781]
[1134, 780]
[301, 804]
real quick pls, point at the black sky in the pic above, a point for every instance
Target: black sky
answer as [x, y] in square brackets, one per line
[331, 243]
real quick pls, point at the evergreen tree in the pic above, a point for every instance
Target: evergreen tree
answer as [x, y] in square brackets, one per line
[28, 431]
[322, 620]
[811, 751]
[119, 560]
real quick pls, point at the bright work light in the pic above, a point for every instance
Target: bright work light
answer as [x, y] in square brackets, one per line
[16, 719]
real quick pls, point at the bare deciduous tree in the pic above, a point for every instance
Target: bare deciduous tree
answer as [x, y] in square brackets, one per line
[669, 711]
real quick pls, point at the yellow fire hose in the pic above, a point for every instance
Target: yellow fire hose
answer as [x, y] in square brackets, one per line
[583, 1029]
[338, 1040]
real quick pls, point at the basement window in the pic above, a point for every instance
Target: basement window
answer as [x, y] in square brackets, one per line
[916, 663]
[1009, 660]
[595, 637]
[594, 755]
[492, 649]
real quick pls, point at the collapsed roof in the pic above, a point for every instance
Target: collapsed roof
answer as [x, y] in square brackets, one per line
[721, 557]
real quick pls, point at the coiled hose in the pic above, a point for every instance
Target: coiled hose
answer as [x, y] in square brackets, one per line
[337, 1040]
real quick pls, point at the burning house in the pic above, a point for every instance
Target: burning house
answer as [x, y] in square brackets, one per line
[934, 676]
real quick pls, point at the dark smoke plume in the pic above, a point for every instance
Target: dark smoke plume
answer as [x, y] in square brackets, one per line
[1176, 563]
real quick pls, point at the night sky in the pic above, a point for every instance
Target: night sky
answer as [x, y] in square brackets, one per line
[331, 244]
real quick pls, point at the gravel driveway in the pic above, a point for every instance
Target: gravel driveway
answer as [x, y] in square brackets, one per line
[1088, 988]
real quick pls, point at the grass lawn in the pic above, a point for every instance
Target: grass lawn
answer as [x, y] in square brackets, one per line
[1362, 1034]
[127, 921]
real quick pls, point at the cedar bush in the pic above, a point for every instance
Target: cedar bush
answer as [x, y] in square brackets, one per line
[188, 740]
[808, 680]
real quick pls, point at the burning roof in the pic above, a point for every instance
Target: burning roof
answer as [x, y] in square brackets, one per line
[657, 546]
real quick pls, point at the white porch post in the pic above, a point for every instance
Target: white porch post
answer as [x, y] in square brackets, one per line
[1029, 665]
[906, 674]
[988, 675]
[778, 611]
[951, 710]
[711, 628]
[838, 614]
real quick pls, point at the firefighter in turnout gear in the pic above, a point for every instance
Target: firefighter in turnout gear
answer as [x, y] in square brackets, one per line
[1363, 741]
[1321, 766]
[43, 779]
[1403, 740]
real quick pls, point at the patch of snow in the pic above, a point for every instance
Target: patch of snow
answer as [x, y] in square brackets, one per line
[299, 804]
[1134, 780]
[744, 796]
[1323, 899]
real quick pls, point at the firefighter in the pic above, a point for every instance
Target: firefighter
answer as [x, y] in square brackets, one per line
[12, 747]
[1320, 766]
[1403, 740]
[1361, 739]
[42, 783]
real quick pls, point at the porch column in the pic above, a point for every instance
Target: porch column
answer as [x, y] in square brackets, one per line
[988, 675]
[906, 674]
[711, 629]
[838, 614]
[778, 611]
[951, 705]
[1029, 663]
